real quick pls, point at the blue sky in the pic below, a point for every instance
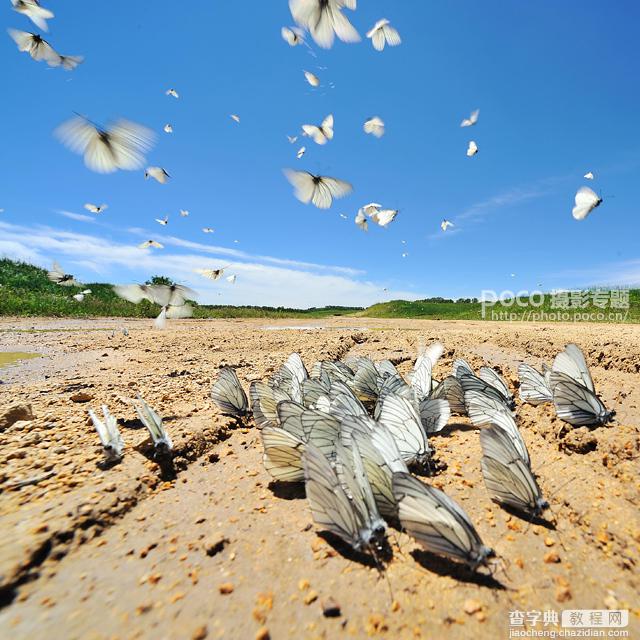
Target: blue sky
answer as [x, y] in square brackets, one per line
[555, 82]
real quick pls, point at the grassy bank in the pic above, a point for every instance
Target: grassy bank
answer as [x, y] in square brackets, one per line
[25, 290]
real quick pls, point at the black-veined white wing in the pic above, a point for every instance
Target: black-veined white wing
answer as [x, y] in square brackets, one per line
[450, 390]
[293, 36]
[228, 394]
[321, 134]
[331, 507]
[366, 382]
[153, 422]
[434, 414]
[462, 368]
[586, 201]
[386, 368]
[109, 434]
[313, 426]
[507, 477]
[38, 48]
[178, 312]
[264, 403]
[576, 404]
[437, 522]
[312, 390]
[318, 190]
[58, 276]
[421, 377]
[122, 146]
[533, 386]
[572, 362]
[471, 120]
[473, 383]
[324, 20]
[282, 456]
[484, 410]
[292, 369]
[492, 377]
[344, 402]
[383, 33]
[394, 385]
[32, 9]
[401, 418]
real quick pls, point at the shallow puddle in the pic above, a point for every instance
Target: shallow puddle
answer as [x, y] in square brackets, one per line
[10, 357]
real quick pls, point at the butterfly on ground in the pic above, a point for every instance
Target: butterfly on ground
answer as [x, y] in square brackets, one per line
[109, 434]
[228, 394]
[150, 419]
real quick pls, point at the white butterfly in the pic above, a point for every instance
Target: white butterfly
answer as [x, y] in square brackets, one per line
[122, 146]
[382, 33]
[282, 456]
[292, 139]
[589, 175]
[471, 120]
[235, 118]
[184, 213]
[437, 522]
[384, 217]
[163, 221]
[58, 276]
[577, 404]
[151, 243]
[79, 297]
[292, 35]
[228, 394]
[445, 224]
[168, 128]
[319, 190]
[312, 79]
[172, 92]
[374, 126]
[324, 20]
[472, 149]
[208, 230]
[320, 134]
[361, 220]
[232, 279]
[586, 201]
[534, 387]
[371, 208]
[343, 216]
[212, 274]
[153, 422]
[301, 152]
[38, 48]
[95, 208]
[109, 434]
[507, 476]
[32, 9]
[157, 173]
[70, 62]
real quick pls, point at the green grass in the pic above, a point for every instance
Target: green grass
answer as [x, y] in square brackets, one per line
[26, 291]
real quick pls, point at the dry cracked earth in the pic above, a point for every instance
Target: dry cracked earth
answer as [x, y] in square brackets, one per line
[216, 550]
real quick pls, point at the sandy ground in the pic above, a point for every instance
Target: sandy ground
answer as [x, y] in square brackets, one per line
[218, 551]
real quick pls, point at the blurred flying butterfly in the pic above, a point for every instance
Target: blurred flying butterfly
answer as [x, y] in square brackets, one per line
[32, 10]
[58, 276]
[319, 190]
[322, 133]
[586, 201]
[383, 33]
[472, 149]
[105, 150]
[324, 20]
[158, 174]
[292, 35]
[95, 208]
[374, 126]
[471, 120]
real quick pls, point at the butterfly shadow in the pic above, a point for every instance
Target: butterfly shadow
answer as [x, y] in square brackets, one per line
[448, 429]
[539, 520]
[287, 490]
[384, 555]
[460, 572]
[165, 462]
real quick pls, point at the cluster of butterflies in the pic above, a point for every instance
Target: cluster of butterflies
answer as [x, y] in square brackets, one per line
[58, 276]
[111, 439]
[33, 43]
[352, 430]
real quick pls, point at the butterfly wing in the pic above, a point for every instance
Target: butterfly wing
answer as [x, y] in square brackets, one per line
[228, 394]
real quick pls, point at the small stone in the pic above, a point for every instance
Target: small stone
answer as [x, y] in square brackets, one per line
[472, 606]
[312, 596]
[200, 633]
[551, 558]
[395, 606]
[215, 544]
[226, 588]
[15, 413]
[330, 608]
[82, 396]
[303, 584]
[549, 542]
[262, 634]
